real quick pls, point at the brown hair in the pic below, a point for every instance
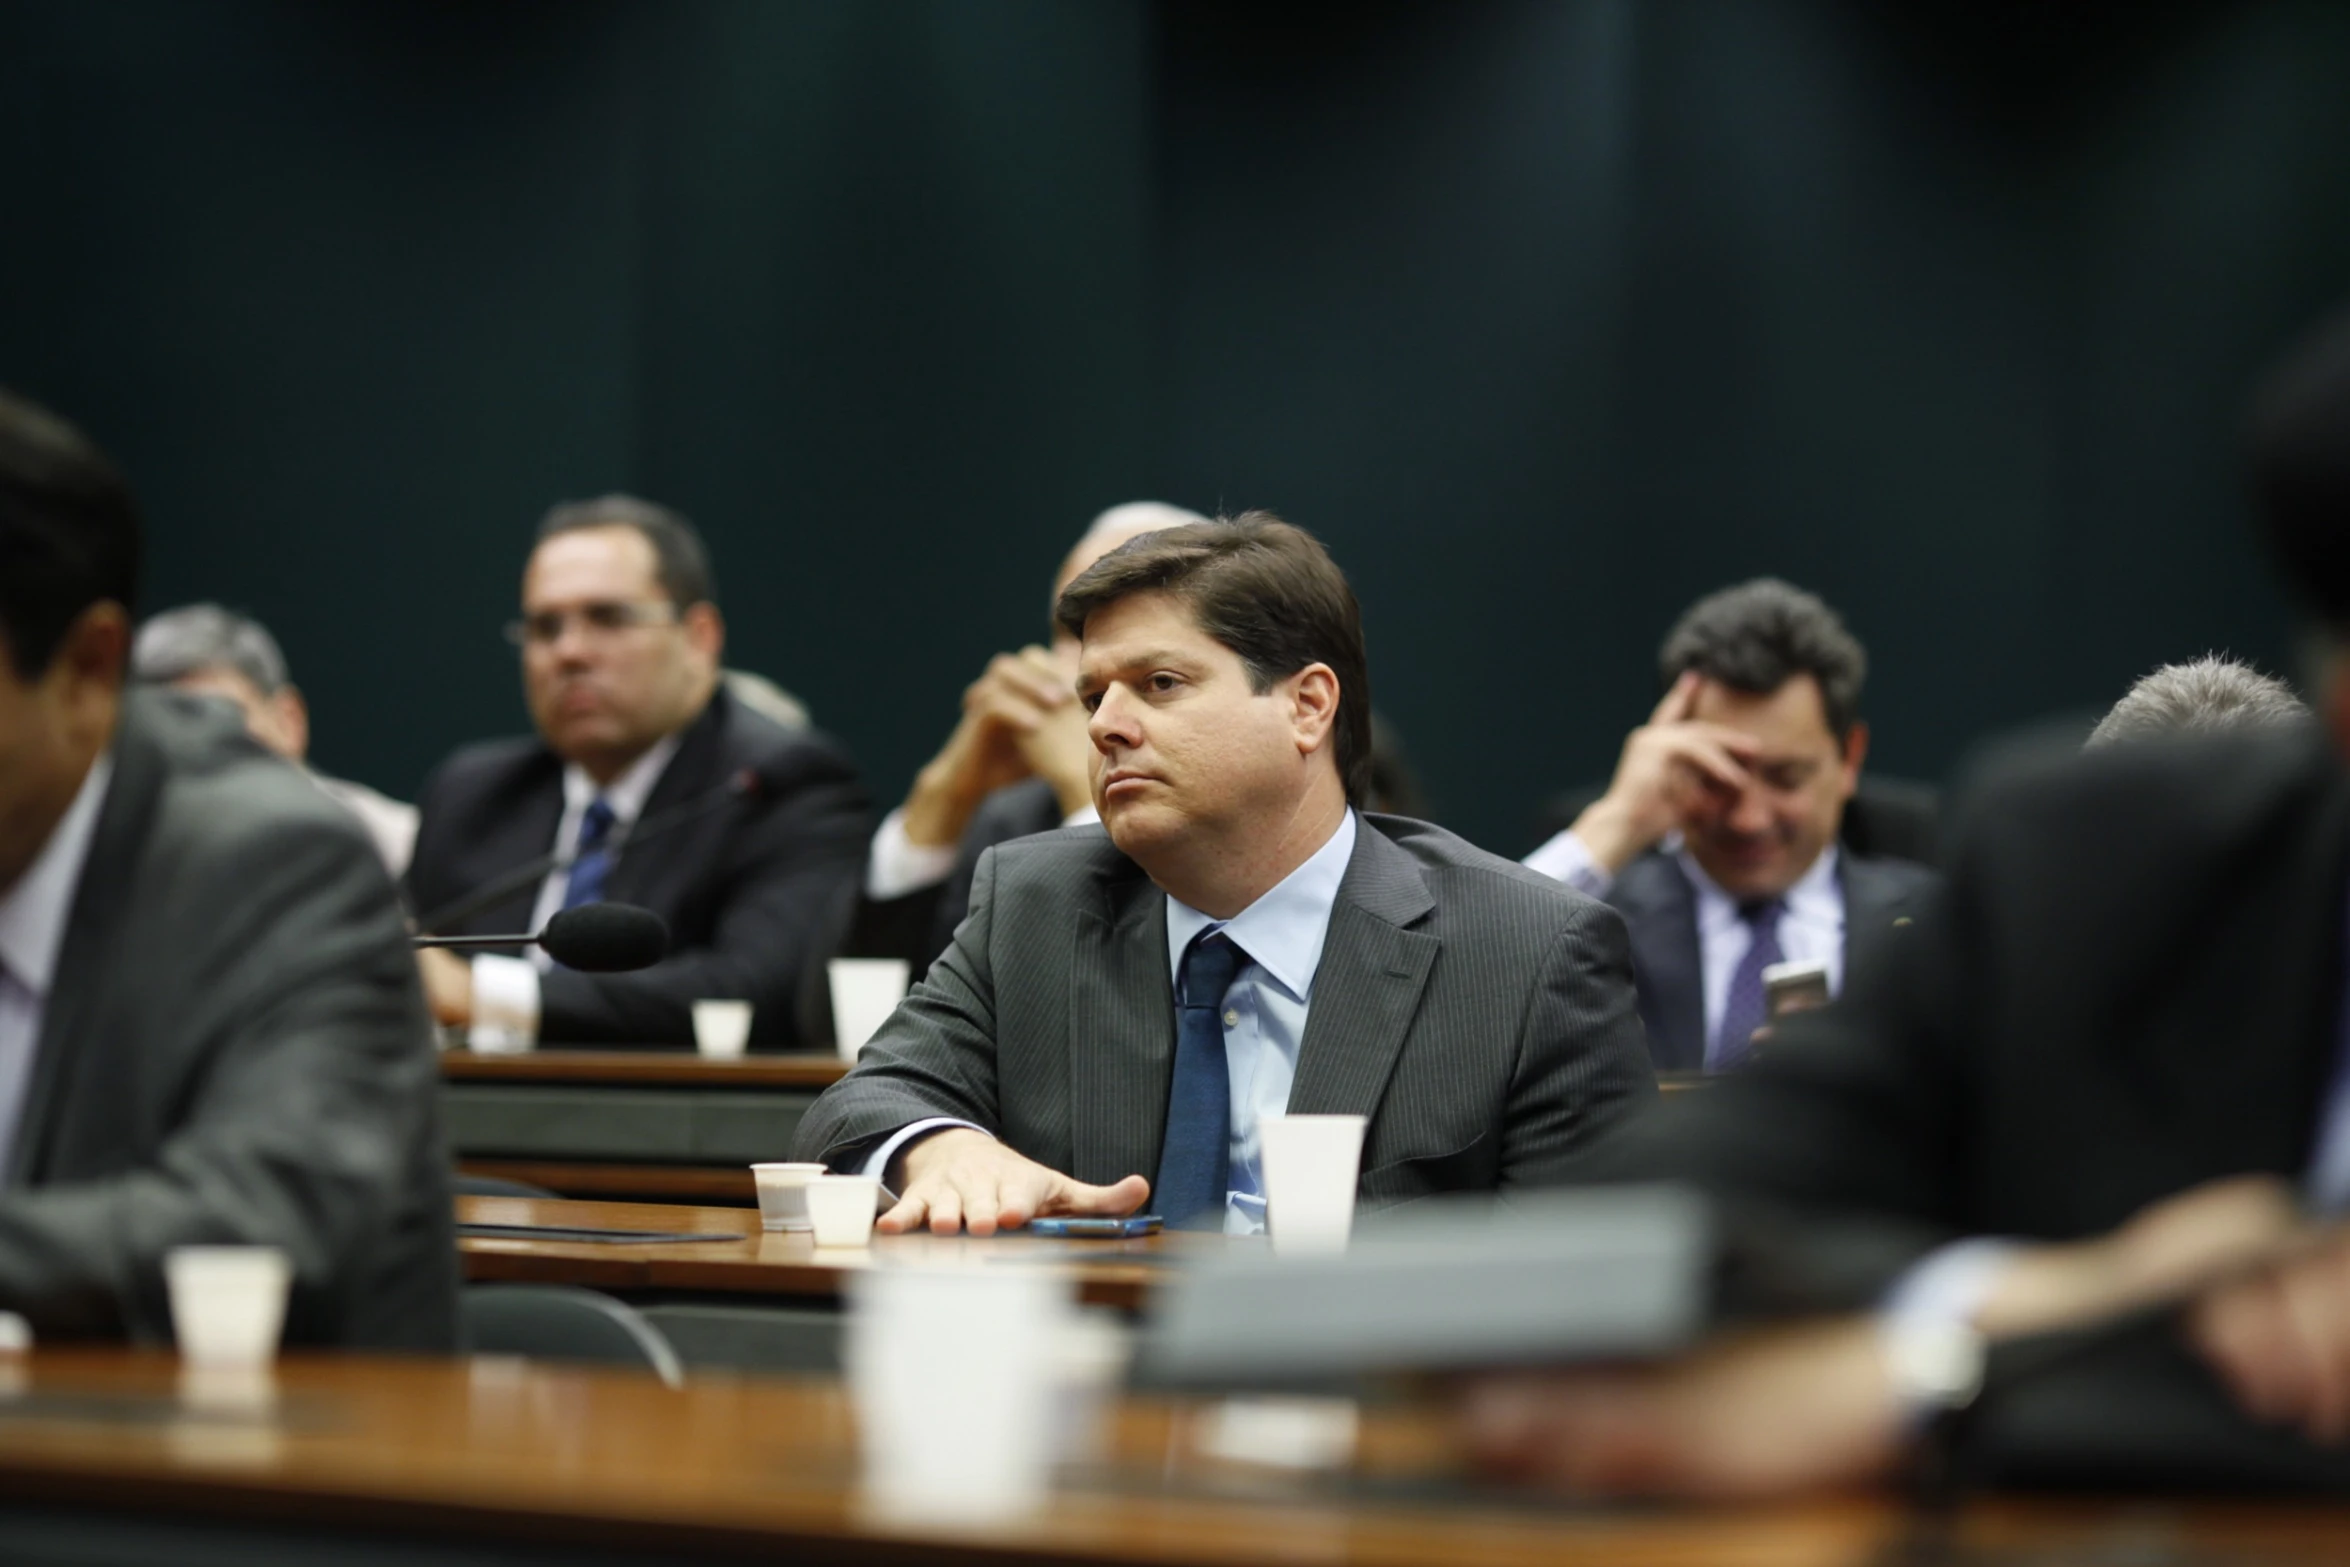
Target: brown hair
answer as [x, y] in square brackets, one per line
[1264, 589]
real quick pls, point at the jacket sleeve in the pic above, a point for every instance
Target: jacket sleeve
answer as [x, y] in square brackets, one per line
[296, 1096]
[1582, 1062]
[936, 1056]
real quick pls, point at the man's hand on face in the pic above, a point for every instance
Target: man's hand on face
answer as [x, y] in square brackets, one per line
[1767, 1413]
[1003, 710]
[1668, 766]
[961, 1179]
[448, 985]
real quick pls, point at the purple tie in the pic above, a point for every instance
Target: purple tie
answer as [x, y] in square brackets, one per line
[1742, 1012]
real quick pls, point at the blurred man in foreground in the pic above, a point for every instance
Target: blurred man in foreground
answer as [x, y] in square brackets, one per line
[2110, 1075]
[759, 826]
[210, 1029]
[1717, 838]
[1234, 942]
[206, 650]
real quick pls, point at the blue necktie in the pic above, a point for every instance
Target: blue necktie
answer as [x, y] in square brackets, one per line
[1195, 1162]
[591, 860]
[1743, 1012]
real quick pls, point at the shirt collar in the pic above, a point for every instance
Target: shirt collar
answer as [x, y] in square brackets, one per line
[1814, 895]
[1283, 931]
[33, 912]
[627, 793]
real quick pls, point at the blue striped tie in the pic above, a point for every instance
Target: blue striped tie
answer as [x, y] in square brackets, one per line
[1195, 1162]
[591, 861]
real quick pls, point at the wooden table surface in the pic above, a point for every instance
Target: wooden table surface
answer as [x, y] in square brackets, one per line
[532, 1455]
[756, 1262]
[673, 1068]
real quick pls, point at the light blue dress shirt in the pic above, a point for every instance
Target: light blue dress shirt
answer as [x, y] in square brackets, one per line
[1265, 1010]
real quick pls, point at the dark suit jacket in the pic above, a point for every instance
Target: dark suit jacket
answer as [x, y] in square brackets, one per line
[1660, 910]
[918, 925]
[1480, 1015]
[2130, 987]
[234, 1050]
[744, 889]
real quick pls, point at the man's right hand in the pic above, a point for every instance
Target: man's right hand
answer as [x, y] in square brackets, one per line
[1006, 706]
[1668, 765]
[961, 1179]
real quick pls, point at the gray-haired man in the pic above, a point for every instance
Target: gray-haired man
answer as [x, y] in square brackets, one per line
[211, 651]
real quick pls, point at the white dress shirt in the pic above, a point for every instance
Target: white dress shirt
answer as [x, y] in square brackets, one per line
[33, 916]
[897, 865]
[506, 990]
[1264, 1011]
[1811, 931]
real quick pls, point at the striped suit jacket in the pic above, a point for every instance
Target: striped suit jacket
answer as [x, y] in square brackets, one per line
[1482, 1016]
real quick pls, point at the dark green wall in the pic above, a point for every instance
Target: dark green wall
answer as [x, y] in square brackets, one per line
[1548, 316]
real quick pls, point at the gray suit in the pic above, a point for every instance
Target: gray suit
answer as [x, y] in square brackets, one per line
[1660, 909]
[1481, 1015]
[234, 1050]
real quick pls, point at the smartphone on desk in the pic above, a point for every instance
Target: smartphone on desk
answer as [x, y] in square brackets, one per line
[1097, 1229]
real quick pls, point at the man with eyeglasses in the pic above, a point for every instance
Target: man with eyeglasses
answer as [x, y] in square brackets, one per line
[757, 826]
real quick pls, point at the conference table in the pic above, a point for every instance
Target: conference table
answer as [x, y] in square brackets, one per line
[111, 1457]
[658, 1125]
[747, 1299]
[665, 1125]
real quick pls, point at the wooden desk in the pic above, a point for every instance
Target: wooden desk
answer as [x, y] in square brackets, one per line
[758, 1263]
[111, 1458]
[628, 1123]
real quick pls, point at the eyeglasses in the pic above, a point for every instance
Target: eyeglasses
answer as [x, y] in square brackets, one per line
[598, 622]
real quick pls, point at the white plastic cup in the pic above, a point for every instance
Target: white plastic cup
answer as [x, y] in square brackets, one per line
[722, 1029]
[956, 1380]
[865, 991]
[841, 1207]
[1312, 1163]
[783, 1194]
[227, 1302]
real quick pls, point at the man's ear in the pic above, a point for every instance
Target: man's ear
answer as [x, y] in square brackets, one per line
[1856, 751]
[293, 720]
[96, 647]
[705, 631]
[1313, 705]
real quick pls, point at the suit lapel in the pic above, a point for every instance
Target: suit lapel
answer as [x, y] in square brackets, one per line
[1367, 990]
[1873, 900]
[1121, 1028]
[693, 772]
[67, 1051]
[1660, 915]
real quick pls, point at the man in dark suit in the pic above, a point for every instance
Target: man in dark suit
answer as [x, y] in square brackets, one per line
[2119, 1047]
[1126, 1004]
[1717, 838]
[1017, 763]
[757, 826]
[210, 1028]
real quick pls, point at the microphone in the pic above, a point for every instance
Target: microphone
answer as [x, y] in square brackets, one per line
[746, 783]
[595, 938]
